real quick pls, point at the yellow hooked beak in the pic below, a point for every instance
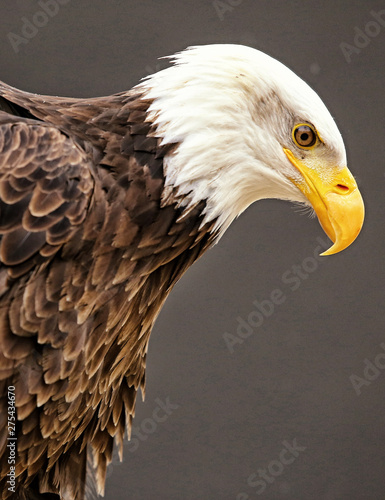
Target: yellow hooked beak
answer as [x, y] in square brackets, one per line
[338, 204]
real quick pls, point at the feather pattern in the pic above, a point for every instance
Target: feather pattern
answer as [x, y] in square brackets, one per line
[88, 254]
[104, 204]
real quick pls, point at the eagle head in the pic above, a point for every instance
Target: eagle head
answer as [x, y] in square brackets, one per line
[247, 128]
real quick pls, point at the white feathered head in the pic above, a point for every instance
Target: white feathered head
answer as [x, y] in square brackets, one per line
[248, 128]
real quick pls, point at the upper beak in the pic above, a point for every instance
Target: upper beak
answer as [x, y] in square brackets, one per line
[338, 203]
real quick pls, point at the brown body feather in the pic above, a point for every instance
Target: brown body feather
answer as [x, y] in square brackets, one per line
[88, 254]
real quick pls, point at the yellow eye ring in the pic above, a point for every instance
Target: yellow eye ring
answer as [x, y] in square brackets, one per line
[304, 136]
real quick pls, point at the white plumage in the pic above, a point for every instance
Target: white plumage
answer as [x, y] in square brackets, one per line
[231, 109]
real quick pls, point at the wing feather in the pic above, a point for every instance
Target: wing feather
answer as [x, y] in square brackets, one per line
[43, 194]
[46, 185]
[89, 251]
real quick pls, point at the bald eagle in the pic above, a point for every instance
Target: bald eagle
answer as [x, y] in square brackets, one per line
[104, 204]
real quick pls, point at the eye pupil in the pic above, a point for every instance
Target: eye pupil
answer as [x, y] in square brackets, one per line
[304, 136]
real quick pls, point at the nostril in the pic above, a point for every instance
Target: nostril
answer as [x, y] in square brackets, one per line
[342, 188]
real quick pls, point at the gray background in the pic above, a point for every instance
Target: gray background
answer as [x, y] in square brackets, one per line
[290, 379]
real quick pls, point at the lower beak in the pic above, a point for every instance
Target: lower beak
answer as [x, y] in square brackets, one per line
[338, 204]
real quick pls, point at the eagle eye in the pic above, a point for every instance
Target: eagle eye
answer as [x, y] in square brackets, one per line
[304, 136]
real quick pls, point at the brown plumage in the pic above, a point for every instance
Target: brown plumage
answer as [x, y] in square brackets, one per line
[88, 254]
